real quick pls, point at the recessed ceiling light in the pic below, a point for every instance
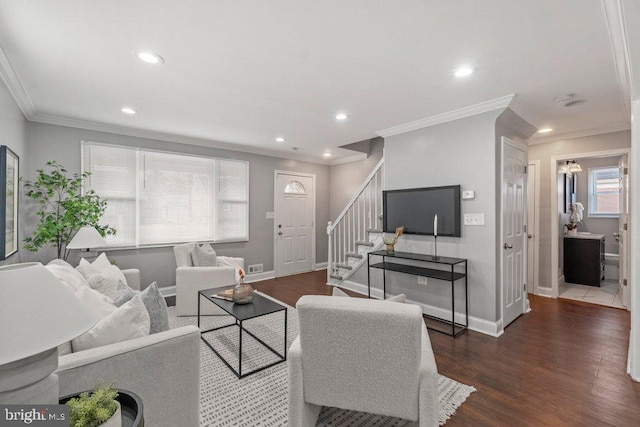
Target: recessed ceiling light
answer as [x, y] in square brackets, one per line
[280, 139]
[463, 71]
[150, 57]
[545, 130]
[128, 110]
[327, 154]
[341, 116]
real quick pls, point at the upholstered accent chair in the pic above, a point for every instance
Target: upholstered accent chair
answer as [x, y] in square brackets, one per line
[191, 279]
[362, 355]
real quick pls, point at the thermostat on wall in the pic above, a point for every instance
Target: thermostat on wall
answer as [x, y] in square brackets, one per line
[469, 194]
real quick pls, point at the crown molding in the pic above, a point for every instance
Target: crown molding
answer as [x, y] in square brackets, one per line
[580, 134]
[16, 89]
[169, 137]
[471, 110]
[620, 48]
[354, 158]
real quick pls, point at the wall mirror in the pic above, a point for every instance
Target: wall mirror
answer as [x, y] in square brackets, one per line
[9, 167]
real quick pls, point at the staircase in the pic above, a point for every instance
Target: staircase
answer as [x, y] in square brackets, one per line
[357, 230]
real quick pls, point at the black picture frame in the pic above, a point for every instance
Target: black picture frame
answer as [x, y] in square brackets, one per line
[9, 201]
[569, 192]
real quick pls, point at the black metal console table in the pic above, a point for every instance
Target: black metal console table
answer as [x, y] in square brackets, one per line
[450, 275]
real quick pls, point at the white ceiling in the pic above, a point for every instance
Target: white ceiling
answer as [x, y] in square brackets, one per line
[244, 72]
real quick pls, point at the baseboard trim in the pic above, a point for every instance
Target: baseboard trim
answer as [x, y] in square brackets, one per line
[545, 292]
[483, 326]
[258, 277]
[320, 266]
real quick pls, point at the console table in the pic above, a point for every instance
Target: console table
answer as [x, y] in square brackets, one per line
[450, 275]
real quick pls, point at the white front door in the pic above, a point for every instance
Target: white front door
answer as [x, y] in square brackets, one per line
[294, 213]
[623, 232]
[513, 214]
[532, 229]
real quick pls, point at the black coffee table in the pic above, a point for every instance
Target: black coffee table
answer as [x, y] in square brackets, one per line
[260, 306]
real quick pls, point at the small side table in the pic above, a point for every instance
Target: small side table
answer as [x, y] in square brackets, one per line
[130, 404]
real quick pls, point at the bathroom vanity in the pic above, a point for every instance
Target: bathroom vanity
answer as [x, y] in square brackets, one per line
[584, 259]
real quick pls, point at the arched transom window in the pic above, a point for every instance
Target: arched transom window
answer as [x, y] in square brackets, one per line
[294, 187]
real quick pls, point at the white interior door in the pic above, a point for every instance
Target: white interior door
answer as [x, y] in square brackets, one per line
[532, 229]
[294, 230]
[513, 214]
[623, 232]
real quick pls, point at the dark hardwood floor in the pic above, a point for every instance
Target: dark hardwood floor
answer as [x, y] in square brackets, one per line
[563, 364]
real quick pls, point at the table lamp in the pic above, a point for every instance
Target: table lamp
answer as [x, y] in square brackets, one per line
[37, 313]
[86, 238]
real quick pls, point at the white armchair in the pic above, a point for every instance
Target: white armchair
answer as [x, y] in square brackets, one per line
[361, 355]
[190, 280]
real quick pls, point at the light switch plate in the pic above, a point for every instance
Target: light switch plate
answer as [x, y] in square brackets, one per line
[474, 219]
[469, 194]
[270, 215]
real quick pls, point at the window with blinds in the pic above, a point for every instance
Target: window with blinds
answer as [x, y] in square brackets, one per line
[158, 197]
[604, 192]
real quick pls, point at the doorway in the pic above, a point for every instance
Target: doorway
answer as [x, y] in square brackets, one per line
[533, 225]
[294, 222]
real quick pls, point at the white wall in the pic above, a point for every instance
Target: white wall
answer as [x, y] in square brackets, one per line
[544, 152]
[51, 142]
[13, 134]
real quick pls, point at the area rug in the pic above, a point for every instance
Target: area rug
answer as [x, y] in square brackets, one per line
[260, 399]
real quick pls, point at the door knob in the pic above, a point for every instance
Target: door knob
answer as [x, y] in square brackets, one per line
[529, 236]
[508, 246]
[279, 233]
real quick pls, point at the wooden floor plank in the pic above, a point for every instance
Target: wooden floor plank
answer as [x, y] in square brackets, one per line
[563, 364]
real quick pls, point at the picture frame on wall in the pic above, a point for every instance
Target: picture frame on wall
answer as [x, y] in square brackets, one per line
[9, 196]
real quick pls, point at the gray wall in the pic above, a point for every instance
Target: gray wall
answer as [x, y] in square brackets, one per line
[51, 142]
[13, 134]
[346, 179]
[544, 152]
[606, 226]
[459, 152]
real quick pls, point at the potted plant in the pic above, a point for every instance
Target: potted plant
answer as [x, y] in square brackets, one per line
[572, 228]
[98, 408]
[63, 208]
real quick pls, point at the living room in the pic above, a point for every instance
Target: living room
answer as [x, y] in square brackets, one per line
[60, 95]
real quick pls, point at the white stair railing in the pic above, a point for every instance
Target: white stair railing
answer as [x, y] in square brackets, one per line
[349, 235]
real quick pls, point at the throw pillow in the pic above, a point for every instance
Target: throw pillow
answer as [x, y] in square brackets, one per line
[67, 275]
[106, 280]
[123, 294]
[156, 307]
[205, 256]
[129, 321]
[101, 264]
[95, 301]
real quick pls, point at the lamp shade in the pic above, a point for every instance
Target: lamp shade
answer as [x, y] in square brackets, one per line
[37, 312]
[87, 237]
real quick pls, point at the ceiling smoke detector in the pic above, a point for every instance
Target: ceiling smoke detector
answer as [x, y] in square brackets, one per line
[294, 148]
[575, 102]
[569, 100]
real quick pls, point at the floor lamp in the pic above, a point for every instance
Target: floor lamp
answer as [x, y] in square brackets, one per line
[37, 313]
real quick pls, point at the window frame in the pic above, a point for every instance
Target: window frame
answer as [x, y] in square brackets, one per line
[592, 212]
[138, 150]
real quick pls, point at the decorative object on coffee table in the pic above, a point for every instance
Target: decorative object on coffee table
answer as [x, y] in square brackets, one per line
[96, 408]
[391, 241]
[131, 408]
[243, 292]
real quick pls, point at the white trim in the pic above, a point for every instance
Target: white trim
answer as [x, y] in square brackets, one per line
[258, 277]
[553, 217]
[275, 216]
[619, 46]
[582, 133]
[477, 324]
[15, 86]
[461, 113]
[320, 266]
[350, 159]
[171, 137]
[536, 217]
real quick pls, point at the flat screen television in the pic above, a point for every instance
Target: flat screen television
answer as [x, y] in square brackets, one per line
[415, 209]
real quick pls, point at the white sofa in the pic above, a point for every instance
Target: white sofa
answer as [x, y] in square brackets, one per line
[191, 279]
[362, 355]
[163, 369]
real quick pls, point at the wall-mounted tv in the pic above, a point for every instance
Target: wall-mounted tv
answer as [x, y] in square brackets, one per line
[415, 208]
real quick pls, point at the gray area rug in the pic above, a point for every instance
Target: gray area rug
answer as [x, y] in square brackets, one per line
[261, 398]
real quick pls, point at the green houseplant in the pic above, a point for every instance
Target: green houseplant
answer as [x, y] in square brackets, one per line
[95, 408]
[63, 208]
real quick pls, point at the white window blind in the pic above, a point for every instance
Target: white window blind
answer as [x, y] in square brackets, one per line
[604, 192]
[158, 197]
